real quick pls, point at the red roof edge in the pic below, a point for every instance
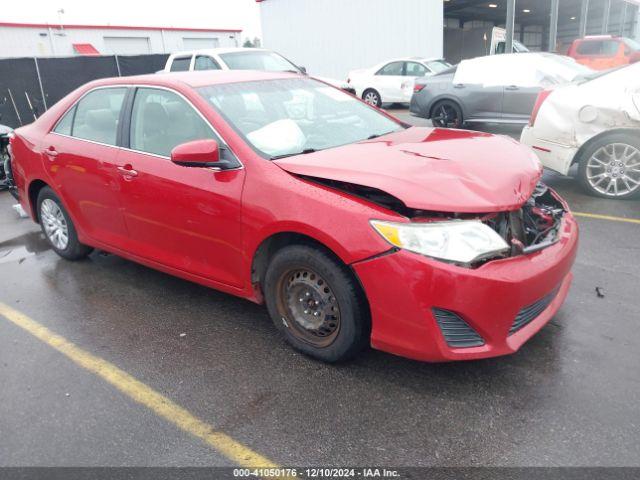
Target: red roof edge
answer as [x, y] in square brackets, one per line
[115, 27]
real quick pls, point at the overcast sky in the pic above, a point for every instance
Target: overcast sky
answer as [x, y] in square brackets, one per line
[244, 14]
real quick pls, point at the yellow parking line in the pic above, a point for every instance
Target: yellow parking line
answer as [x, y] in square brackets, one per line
[141, 393]
[607, 217]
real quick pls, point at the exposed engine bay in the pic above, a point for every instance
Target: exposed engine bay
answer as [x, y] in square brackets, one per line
[533, 227]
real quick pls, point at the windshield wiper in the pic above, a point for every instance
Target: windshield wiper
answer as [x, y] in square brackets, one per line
[376, 135]
[303, 152]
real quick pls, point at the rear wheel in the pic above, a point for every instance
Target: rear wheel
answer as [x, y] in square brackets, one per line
[447, 114]
[610, 167]
[316, 303]
[372, 97]
[57, 226]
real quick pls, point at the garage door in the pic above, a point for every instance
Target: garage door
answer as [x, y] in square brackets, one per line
[197, 43]
[127, 45]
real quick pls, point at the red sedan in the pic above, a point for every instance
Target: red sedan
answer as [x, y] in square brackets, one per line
[351, 226]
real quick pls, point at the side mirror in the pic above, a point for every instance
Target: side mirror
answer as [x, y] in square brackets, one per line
[199, 153]
[302, 69]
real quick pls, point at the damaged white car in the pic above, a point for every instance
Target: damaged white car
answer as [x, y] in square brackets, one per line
[596, 124]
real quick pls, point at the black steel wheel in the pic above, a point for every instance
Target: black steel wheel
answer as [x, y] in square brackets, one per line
[316, 303]
[447, 114]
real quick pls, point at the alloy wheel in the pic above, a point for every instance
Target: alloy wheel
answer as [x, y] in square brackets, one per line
[446, 116]
[309, 307]
[614, 170]
[55, 224]
[372, 98]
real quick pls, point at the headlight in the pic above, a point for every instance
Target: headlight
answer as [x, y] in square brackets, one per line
[462, 241]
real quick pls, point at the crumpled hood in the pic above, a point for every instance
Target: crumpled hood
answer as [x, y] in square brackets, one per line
[433, 169]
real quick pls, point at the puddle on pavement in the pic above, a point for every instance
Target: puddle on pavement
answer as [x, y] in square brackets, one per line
[22, 247]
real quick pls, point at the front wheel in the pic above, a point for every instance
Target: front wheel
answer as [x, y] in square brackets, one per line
[57, 226]
[610, 167]
[372, 97]
[447, 114]
[316, 303]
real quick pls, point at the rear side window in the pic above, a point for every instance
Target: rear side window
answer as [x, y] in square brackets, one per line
[162, 120]
[393, 68]
[205, 62]
[97, 116]
[181, 64]
[415, 69]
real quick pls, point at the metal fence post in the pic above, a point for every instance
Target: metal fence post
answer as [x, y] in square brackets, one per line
[118, 65]
[605, 16]
[44, 99]
[553, 26]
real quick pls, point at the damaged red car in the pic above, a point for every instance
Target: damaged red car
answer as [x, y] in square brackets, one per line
[351, 226]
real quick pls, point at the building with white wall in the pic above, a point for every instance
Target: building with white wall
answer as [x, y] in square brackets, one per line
[331, 37]
[44, 40]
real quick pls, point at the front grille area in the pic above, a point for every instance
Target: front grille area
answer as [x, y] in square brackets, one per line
[530, 313]
[456, 332]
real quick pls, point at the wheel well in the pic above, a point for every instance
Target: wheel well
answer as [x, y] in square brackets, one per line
[586, 145]
[34, 190]
[369, 89]
[278, 241]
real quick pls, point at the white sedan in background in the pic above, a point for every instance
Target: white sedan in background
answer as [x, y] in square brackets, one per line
[596, 124]
[392, 81]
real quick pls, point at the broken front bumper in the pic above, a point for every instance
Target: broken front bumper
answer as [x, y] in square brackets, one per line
[404, 288]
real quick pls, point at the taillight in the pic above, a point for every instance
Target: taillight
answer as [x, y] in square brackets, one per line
[418, 87]
[542, 96]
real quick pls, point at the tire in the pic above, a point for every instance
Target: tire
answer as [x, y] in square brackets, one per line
[54, 221]
[301, 279]
[447, 114]
[610, 167]
[372, 97]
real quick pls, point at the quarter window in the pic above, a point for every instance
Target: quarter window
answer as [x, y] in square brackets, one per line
[205, 62]
[64, 125]
[181, 64]
[96, 116]
[162, 120]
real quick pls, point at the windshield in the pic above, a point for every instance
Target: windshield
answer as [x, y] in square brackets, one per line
[297, 115]
[437, 66]
[258, 60]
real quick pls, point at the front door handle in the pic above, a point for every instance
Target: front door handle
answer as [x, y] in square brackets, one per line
[459, 85]
[128, 171]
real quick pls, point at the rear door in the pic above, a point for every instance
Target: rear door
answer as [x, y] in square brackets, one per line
[81, 156]
[518, 102]
[412, 71]
[187, 218]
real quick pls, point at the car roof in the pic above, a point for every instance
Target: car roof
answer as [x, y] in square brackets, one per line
[217, 51]
[195, 79]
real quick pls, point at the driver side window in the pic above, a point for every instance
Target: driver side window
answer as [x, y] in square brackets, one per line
[162, 120]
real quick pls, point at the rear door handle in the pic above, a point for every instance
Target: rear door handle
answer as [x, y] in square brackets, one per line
[458, 85]
[127, 171]
[513, 87]
[50, 152]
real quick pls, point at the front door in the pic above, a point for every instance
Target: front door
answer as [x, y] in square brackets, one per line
[187, 218]
[80, 155]
[518, 102]
[389, 81]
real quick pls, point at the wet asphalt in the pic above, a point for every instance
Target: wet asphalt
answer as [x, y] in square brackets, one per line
[569, 397]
